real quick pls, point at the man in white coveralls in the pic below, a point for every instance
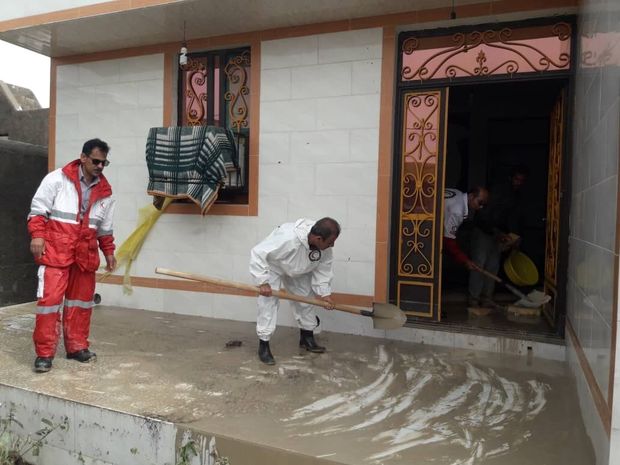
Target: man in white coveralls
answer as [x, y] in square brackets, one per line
[296, 256]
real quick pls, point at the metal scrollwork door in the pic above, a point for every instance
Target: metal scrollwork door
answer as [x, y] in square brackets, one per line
[554, 199]
[416, 268]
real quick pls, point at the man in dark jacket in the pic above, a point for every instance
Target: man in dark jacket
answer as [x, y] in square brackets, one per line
[494, 230]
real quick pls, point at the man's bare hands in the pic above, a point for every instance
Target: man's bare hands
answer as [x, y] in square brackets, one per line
[37, 247]
[265, 290]
[329, 302]
[110, 262]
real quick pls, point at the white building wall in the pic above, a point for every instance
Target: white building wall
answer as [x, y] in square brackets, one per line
[318, 156]
[593, 250]
[319, 142]
[319, 120]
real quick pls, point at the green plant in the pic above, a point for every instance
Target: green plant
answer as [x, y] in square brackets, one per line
[188, 450]
[184, 452]
[14, 447]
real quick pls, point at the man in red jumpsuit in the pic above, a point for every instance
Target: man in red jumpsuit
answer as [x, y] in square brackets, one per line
[70, 219]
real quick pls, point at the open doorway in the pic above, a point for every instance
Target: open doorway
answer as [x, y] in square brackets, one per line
[493, 128]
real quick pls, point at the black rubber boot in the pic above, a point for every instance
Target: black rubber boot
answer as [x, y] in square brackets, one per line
[264, 353]
[83, 356]
[306, 340]
[43, 364]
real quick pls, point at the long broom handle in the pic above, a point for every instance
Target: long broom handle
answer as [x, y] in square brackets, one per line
[255, 290]
[490, 275]
[510, 287]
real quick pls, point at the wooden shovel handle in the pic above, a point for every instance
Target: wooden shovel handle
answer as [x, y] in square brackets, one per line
[510, 287]
[255, 290]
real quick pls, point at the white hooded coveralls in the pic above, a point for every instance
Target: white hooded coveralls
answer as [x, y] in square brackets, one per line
[281, 260]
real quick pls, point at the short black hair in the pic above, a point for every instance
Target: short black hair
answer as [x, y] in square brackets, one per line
[326, 228]
[476, 190]
[92, 144]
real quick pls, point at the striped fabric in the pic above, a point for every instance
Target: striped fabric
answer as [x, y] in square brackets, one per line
[189, 162]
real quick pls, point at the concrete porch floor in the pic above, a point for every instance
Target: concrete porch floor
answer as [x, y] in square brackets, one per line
[365, 401]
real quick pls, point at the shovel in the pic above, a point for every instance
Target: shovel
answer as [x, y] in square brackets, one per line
[384, 316]
[525, 301]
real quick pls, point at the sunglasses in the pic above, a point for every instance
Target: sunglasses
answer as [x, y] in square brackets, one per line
[97, 162]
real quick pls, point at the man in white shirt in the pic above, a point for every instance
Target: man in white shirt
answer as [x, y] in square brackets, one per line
[457, 207]
[296, 256]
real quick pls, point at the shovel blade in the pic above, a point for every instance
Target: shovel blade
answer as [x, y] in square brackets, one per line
[387, 316]
[534, 299]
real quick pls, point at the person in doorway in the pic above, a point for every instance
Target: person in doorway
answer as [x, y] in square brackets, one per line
[459, 206]
[496, 228]
[296, 256]
[70, 217]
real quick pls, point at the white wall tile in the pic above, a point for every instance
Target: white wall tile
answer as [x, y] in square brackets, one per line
[236, 240]
[356, 245]
[346, 179]
[592, 421]
[321, 81]
[273, 210]
[67, 76]
[320, 146]
[132, 179]
[366, 77]
[286, 116]
[99, 72]
[115, 97]
[614, 452]
[150, 93]
[184, 236]
[298, 51]
[240, 267]
[141, 68]
[360, 278]
[275, 84]
[356, 111]
[350, 46]
[97, 124]
[139, 121]
[126, 210]
[361, 211]
[275, 147]
[283, 179]
[316, 207]
[67, 101]
[606, 222]
[364, 144]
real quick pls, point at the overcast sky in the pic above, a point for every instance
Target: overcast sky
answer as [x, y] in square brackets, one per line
[26, 69]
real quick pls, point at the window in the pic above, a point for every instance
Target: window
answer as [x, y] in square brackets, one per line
[214, 90]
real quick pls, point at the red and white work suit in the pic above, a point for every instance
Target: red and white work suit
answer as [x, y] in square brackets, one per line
[455, 211]
[71, 256]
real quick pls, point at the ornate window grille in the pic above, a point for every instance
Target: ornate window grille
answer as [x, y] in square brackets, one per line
[484, 53]
[214, 90]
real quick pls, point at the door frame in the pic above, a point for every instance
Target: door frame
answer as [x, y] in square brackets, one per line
[402, 87]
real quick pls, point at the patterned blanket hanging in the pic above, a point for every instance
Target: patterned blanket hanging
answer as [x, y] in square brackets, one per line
[190, 162]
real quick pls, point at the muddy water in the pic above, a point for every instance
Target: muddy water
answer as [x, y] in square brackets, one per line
[365, 401]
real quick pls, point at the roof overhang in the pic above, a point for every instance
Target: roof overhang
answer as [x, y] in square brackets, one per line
[95, 31]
